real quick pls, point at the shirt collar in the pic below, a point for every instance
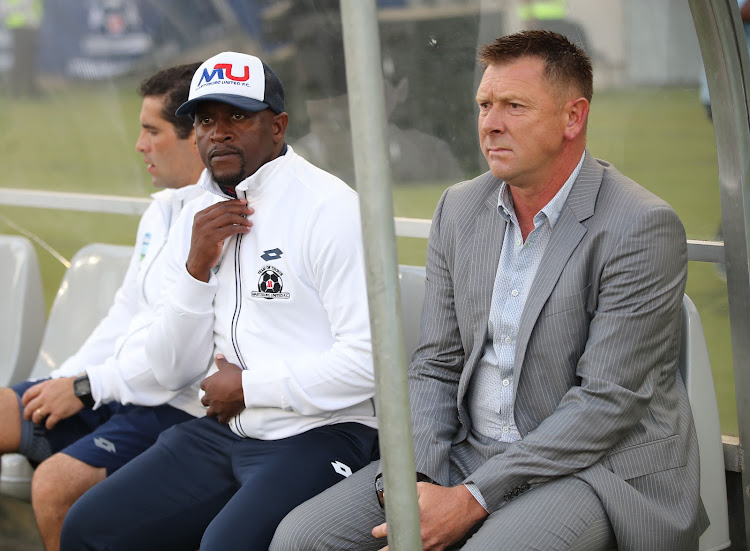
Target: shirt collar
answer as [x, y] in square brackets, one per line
[551, 210]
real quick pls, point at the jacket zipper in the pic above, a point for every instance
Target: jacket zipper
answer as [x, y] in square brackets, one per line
[237, 300]
[235, 320]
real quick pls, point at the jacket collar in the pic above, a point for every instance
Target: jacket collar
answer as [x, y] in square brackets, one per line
[582, 198]
[256, 180]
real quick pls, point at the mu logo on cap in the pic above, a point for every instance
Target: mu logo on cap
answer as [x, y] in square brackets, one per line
[224, 71]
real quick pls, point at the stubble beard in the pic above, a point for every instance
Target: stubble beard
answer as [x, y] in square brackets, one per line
[229, 180]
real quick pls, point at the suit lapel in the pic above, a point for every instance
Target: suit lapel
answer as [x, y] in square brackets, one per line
[565, 237]
[489, 231]
[484, 255]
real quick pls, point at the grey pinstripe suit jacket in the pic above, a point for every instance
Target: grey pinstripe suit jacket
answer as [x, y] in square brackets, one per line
[597, 390]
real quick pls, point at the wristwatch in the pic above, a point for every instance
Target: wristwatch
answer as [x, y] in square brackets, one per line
[82, 390]
[379, 490]
[380, 486]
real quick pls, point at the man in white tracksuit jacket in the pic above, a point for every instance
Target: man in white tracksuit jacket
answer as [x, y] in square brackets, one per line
[271, 288]
[103, 405]
[115, 360]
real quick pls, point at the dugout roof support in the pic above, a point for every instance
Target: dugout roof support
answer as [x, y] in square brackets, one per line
[725, 56]
[371, 164]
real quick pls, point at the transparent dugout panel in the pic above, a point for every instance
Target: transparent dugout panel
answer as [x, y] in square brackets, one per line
[74, 127]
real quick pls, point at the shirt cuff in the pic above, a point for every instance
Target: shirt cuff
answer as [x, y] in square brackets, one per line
[101, 388]
[477, 494]
[194, 296]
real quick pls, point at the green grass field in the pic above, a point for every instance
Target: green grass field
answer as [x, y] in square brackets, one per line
[83, 140]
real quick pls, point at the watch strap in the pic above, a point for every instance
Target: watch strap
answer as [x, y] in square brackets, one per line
[380, 486]
[82, 390]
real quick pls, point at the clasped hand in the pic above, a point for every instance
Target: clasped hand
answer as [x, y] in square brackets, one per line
[53, 400]
[445, 515]
[223, 391]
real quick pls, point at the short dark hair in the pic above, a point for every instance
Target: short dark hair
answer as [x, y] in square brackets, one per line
[174, 85]
[565, 64]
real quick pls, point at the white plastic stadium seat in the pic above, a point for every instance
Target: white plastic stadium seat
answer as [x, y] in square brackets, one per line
[22, 312]
[696, 371]
[84, 297]
[411, 280]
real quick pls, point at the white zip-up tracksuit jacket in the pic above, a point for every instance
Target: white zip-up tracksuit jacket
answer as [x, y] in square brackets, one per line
[113, 356]
[287, 303]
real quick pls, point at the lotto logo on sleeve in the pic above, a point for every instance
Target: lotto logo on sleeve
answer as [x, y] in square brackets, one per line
[145, 244]
[270, 284]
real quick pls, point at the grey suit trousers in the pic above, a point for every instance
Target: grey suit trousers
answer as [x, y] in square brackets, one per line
[564, 514]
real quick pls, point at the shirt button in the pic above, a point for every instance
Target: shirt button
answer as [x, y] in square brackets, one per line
[508, 340]
[518, 241]
[506, 382]
[514, 292]
[506, 429]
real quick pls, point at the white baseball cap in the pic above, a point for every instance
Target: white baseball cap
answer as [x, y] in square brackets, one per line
[238, 79]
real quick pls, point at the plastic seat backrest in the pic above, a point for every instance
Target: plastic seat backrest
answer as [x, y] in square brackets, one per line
[22, 310]
[83, 299]
[411, 280]
[695, 368]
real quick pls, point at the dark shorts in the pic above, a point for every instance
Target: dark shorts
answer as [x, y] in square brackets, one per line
[107, 437]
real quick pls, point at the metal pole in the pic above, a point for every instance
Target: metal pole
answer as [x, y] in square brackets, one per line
[371, 164]
[725, 55]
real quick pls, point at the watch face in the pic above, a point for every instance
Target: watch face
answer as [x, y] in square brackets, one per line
[82, 386]
[379, 486]
[82, 390]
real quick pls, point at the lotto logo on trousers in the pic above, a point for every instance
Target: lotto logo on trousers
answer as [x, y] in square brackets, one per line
[341, 468]
[105, 444]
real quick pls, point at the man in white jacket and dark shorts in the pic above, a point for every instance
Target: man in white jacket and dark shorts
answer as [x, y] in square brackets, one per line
[103, 405]
[270, 288]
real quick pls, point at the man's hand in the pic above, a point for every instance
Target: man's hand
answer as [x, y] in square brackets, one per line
[53, 399]
[445, 515]
[224, 396]
[211, 227]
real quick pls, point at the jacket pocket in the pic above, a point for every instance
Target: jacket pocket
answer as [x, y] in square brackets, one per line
[563, 304]
[647, 458]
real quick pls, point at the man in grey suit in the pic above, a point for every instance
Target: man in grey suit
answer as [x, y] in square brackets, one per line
[547, 409]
